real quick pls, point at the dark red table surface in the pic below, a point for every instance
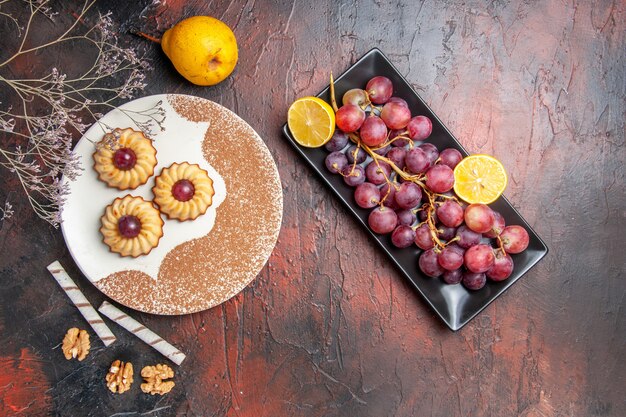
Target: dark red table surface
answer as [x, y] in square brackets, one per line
[329, 328]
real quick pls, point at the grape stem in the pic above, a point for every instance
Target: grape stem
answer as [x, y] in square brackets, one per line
[368, 103]
[447, 197]
[417, 179]
[333, 102]
[500, 244]
[390, 141]
[430, 219]
[354, 163]
[403, 174]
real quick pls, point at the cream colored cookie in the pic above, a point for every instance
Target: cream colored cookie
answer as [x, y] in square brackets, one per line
[183, 191]
[125, 159]
[131, 226]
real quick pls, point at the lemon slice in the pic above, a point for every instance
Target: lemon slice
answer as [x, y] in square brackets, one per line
[479, 179]
[311, 121]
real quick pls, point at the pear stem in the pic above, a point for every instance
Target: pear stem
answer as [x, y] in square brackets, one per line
[137, 32]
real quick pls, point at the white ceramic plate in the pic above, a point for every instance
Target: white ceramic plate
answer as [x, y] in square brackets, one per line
[194, 131]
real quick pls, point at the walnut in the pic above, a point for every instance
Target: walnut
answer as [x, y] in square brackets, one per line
[154, 379]
[120, 376]
[76, 344]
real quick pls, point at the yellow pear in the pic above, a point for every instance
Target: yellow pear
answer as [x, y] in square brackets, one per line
[203, 49]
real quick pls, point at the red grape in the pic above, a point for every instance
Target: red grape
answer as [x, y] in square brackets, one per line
[450, 213]
[431, 152]
[406, 217]
[129, 226]
[467, 237]
[453, 277]
[124, 159]
[408, 195]
[479, 218]
[419, 127]
[445, 232]
[423, 237]
[356, 96]
[479, 258]
[502, 267]
[397, 156]
[382, 220]
[451, 257]
[450, 157]
[367, 195]
[395, 115]
[183, 190]
[498, 226]
[390, 192]
[416, 161]
[398, 100]
[474, 281]
[337, 142]
[379, 89]
[515, 239]
[335, 162]
[353, 177]
[440, 178]
[403, 236]
[349, 118]
[377, 173]
[355, 153]
[429, 265]
[373, 131]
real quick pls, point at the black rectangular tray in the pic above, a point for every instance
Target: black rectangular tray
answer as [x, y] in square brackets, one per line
[453, 303]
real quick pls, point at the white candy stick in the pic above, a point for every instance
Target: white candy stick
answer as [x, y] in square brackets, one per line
[79, 300]
[142, 332]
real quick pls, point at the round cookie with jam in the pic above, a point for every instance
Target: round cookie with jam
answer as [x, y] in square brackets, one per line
[125, 159]
[183, 191]
[131, 226]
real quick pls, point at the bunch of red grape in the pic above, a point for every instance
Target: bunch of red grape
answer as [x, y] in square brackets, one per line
[378, 149]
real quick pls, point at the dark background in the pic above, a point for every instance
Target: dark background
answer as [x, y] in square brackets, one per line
[329, 328]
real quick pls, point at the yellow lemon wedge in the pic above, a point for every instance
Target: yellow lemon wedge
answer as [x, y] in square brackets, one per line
[479, 179]
[311, 121]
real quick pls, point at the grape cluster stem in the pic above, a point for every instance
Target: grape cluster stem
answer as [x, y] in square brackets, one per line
[417, 179]
[500, 244]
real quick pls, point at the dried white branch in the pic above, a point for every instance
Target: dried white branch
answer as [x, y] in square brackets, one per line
[11, 18]
[6, 211]
[50, 109]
